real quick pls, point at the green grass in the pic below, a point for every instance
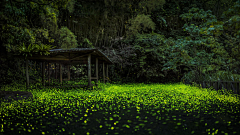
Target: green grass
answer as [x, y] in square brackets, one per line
[170, 109]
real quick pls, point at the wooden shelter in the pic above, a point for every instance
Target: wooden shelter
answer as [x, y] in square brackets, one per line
[72, 56]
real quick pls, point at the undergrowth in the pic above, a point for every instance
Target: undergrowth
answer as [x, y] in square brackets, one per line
[171, 109]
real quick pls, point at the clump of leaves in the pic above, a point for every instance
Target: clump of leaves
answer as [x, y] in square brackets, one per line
[201, 50]
[67, 39]
[141, 23]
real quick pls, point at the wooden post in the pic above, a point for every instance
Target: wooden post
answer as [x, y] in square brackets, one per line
[78, 73]
[60, 71]
[43, 73]
[97, 71]
[107, 73]
[55, 66]
[48, 74]
[27, 76]
[103, 73]
[89, 71]
[68, 67]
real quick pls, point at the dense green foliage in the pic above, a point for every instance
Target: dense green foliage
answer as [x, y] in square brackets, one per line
[210, 54]
[67, 39]
[194, 50]
[159, 36]
[161, 42]
[139, 24]
[27, 28]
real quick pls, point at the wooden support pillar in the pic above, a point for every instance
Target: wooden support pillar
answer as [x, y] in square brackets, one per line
[68, 67]
[48, 74]
[79, 73]
[43, 73]
[60, 71]
[89, 71]
[55, 71]
[97, 71]
[107, 73]
[103, 73]
[27, 76]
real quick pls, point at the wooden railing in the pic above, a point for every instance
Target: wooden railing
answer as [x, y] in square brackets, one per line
[218, 85]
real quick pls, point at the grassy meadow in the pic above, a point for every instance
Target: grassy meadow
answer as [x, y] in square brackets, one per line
[122, 109]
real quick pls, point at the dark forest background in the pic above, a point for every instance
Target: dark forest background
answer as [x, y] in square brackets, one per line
[158, 41]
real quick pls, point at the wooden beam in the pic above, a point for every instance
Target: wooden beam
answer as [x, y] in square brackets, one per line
[103, 73]
[27, 75]
[59, 57]
[77, 62]
[60, 71]
[81, 56]
[97, 71]
[43, 73]
[48, 74]
[107, 73]
[89, 71]
[55, 71]
[68, 67]
[79, 75]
